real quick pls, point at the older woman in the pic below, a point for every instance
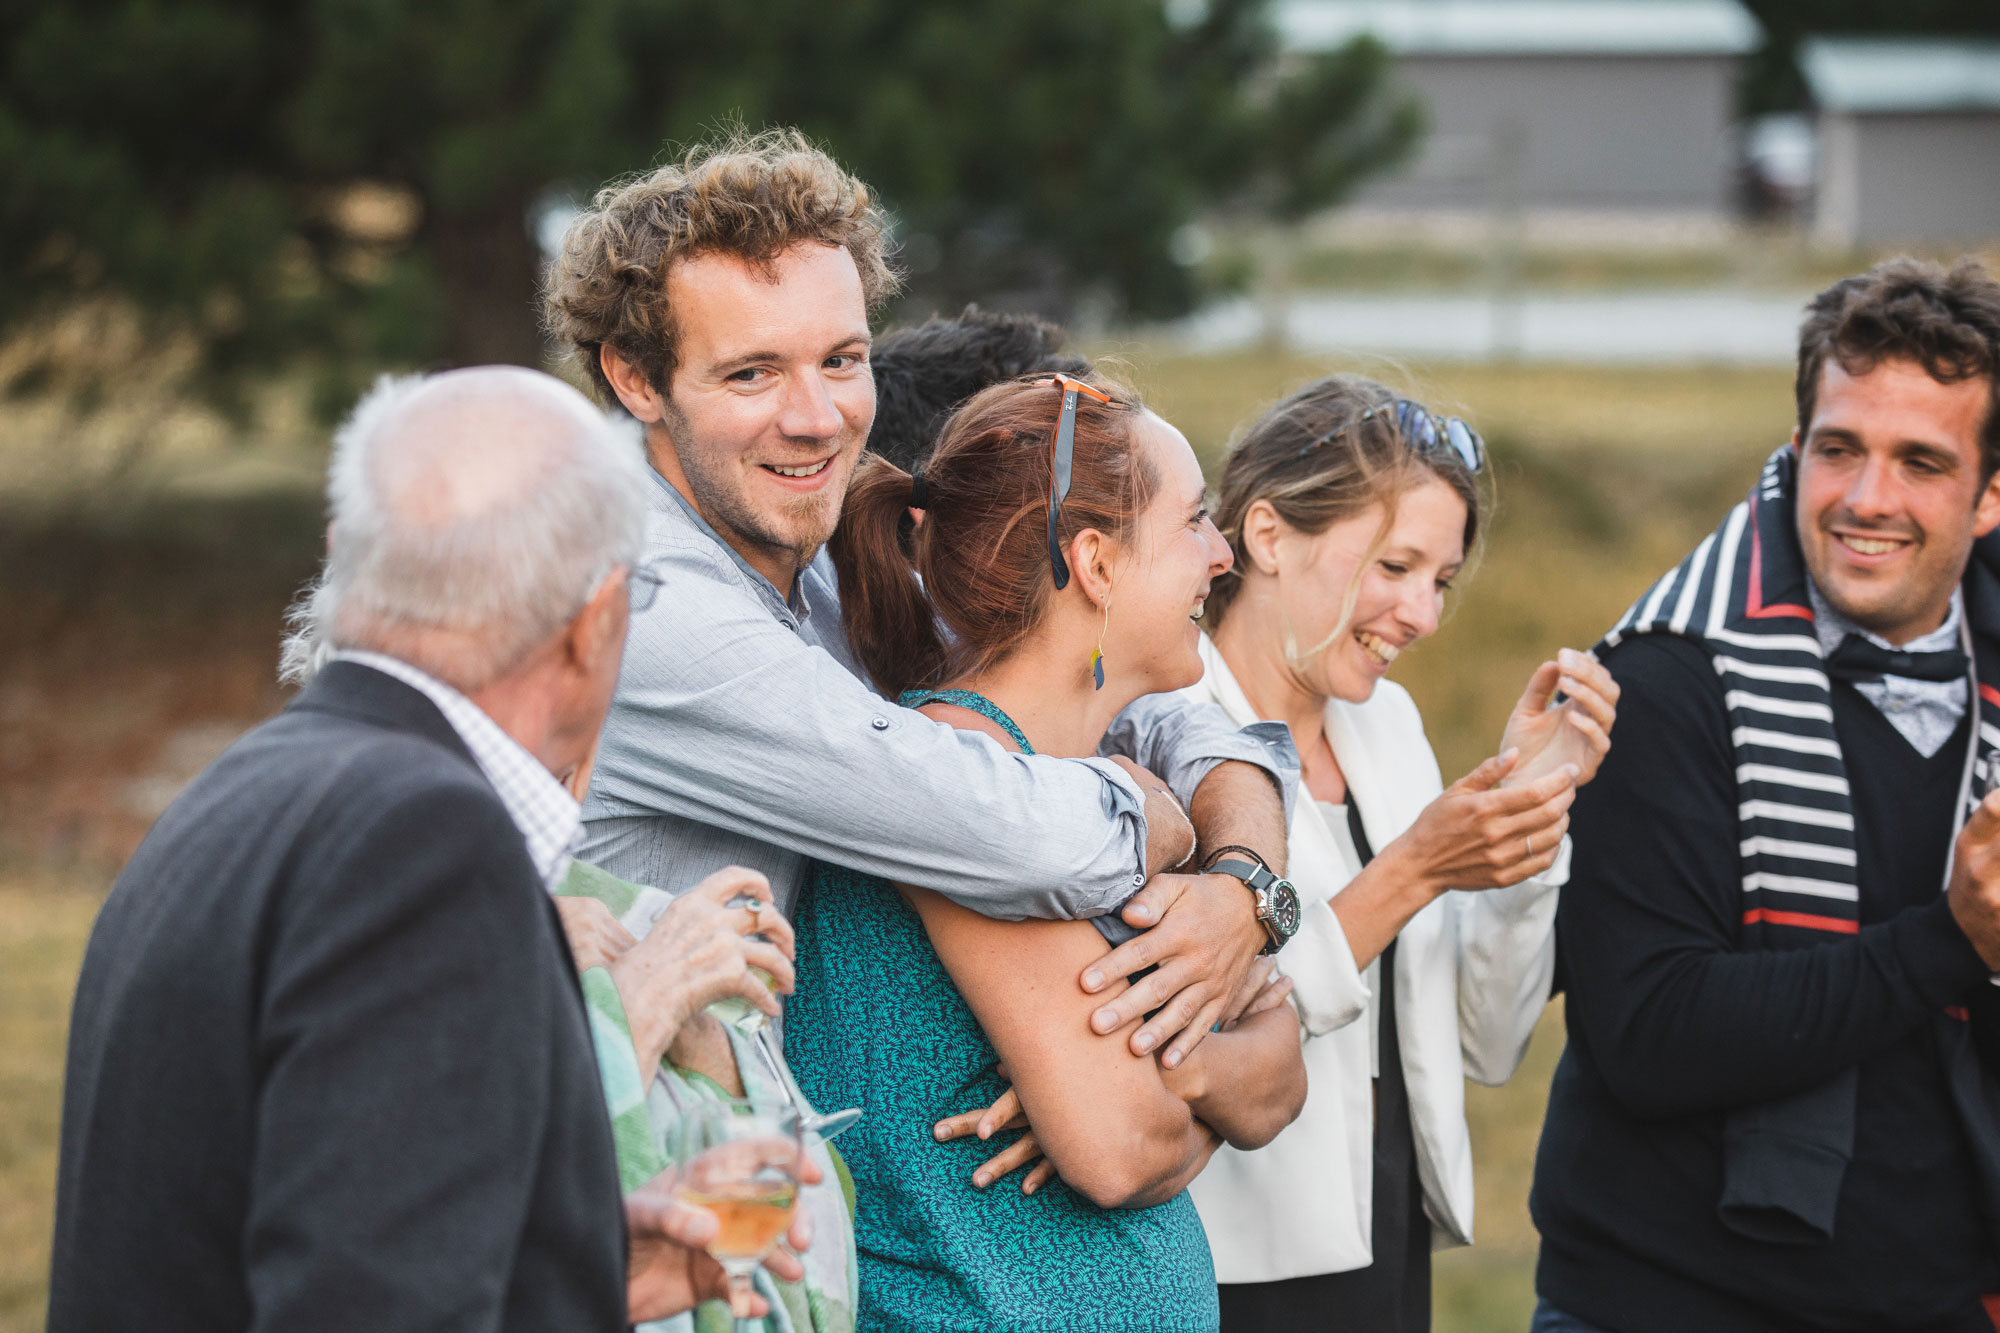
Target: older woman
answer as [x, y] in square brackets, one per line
[651, 963]
[1351, 511]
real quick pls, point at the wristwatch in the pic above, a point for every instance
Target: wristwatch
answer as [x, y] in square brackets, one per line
[1277, 900]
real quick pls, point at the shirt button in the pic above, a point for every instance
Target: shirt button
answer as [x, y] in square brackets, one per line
[880, 723]
[1138, 881]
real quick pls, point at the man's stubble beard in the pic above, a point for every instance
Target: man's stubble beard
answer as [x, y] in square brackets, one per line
[732, 515]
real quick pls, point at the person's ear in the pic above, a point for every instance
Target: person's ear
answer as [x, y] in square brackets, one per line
[600, 627]
[1093, 559]
[1263, 530]
[634, 390]
[1986, 514]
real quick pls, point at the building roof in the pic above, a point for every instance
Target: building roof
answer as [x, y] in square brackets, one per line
[1862, 75]
[1523, 27]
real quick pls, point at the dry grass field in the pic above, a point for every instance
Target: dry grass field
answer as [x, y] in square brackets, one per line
[143, 633]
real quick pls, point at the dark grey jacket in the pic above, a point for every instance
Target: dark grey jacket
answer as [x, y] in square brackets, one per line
[329, 1067]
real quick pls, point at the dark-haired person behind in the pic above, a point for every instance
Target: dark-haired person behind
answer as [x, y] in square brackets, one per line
[908, 1003]
[1784, 902]
[923, 372]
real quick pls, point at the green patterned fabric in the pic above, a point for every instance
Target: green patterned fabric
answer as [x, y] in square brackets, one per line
[645, 1119]
[878, 1022]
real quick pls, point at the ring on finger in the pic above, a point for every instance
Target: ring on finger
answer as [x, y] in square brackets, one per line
[1530, 841]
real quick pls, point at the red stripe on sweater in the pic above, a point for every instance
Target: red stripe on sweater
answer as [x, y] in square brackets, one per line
[1753, 605]
[1803, 920]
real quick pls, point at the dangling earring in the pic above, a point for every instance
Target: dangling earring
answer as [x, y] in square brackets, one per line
[1097, 658]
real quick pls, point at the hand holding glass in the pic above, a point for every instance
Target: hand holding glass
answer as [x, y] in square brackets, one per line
[741, 1160]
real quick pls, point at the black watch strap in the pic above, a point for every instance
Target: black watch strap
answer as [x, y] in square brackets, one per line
[1252, 874]
[1259, 879]
[1215, 856]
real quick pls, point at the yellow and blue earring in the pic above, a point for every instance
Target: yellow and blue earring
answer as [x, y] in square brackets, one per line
[1097, 658]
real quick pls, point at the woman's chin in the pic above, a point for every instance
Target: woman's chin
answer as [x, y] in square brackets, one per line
[1354, 686]
[1182, 669]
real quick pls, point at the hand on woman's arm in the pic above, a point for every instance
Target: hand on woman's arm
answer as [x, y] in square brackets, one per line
[1204, 933]
[1248, 1081]
[1107, 1122]
[1004, 1114]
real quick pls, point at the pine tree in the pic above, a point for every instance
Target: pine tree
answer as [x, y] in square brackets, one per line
[354, 183]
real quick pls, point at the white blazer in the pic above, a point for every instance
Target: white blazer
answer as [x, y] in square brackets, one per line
[1472, 974]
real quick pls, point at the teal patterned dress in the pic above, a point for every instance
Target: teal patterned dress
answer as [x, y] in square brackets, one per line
[877, 1023]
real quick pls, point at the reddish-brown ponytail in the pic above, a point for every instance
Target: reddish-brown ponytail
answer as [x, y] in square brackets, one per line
[926, 602]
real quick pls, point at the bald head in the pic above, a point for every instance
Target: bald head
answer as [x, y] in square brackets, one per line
[473, 514]
[471, 442]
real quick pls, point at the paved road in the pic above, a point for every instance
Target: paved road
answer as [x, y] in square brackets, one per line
[1721, 325]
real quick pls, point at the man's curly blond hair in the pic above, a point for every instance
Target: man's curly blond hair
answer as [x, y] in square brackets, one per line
[753, 196]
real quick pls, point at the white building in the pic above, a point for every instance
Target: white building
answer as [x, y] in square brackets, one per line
[1909, 140]
[1619, 106]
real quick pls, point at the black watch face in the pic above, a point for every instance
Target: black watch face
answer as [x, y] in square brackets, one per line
[1284, 907]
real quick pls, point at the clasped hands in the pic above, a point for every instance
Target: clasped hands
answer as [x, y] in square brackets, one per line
[707, 945]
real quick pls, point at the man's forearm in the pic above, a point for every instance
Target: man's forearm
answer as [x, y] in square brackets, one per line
[1183, 742]
[1238, 804]
[775, 741]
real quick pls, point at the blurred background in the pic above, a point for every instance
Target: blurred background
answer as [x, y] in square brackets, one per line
[1586, 225]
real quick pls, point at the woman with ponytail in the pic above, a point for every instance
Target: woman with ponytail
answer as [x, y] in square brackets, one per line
[1044, 571]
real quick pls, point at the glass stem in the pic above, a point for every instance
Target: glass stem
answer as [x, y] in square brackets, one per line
[776, 1061]
[740, 1289]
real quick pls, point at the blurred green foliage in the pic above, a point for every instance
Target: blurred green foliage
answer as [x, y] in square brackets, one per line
[357, 182]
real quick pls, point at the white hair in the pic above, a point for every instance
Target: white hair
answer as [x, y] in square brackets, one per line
[473, 515]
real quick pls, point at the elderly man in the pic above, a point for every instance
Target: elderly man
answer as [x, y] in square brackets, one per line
[329, 1068]
[724, 302]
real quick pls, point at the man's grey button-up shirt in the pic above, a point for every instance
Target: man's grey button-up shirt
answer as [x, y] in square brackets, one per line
[743, 734]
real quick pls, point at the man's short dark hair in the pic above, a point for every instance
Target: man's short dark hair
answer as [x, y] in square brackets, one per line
[922, 373]
[1947, 321]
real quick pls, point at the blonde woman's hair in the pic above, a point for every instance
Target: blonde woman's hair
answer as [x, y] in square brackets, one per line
[1313, 485]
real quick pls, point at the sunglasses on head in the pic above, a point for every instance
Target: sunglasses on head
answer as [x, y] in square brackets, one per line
[1062, 456]
[1426, 431]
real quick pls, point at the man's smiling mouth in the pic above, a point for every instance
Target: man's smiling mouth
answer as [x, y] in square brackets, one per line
[805, 470]
[1869, 545]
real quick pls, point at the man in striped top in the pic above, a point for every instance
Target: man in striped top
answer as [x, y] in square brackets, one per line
[1773, 1113]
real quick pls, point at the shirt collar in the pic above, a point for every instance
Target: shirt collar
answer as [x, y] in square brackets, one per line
[548, 817]
[796, 605]
[1831, 627]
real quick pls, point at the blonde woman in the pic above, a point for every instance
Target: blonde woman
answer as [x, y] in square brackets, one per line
[1350, 512]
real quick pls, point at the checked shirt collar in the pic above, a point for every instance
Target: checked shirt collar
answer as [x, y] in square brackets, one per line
[547, 815]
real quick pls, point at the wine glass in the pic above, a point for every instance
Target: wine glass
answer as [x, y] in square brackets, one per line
[740, 1160]
[755, 1024]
